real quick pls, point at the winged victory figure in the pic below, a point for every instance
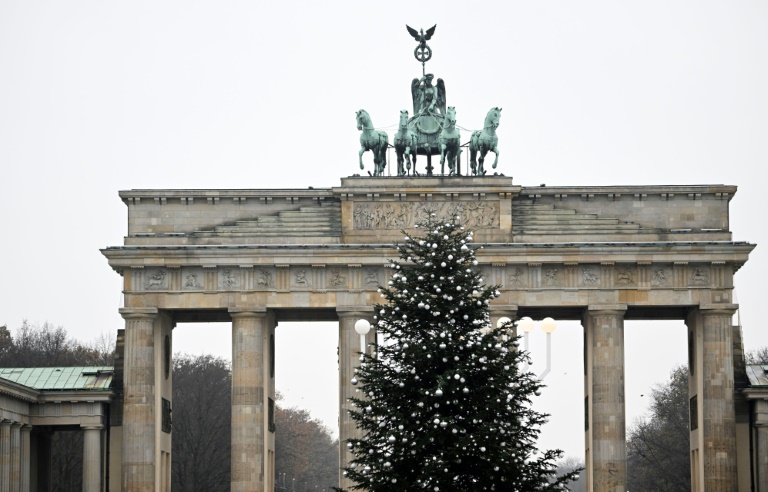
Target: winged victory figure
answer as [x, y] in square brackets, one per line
[428, 98]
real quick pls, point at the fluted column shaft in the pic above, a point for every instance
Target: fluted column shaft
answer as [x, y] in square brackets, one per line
[92, 459]
[761, 446]
[349, 359]
[15, 456]
[139, 401]
[606, 434]
[24, 485]
[248, 406]
[713, 438]
[5, 456]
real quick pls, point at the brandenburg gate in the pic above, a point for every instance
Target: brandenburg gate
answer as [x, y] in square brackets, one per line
[255, 258]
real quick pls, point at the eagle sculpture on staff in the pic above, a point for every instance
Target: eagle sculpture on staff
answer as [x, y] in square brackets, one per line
[422, 52]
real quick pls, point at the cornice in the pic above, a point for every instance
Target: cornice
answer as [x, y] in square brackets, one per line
[16, 390]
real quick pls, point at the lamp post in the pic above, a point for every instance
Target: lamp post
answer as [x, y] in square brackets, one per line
[362, 327]
[526, 325]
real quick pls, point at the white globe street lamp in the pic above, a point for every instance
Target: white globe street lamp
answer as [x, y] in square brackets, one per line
[362, 327]
[548, 325]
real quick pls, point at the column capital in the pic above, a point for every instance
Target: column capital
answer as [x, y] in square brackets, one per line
[248, 312]
[92, 427]
[718, 309]
[351, 311]
[504, 308]
[139, 313]
[615, 308]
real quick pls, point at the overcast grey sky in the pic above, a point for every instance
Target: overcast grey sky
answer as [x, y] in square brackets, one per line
[97, 97]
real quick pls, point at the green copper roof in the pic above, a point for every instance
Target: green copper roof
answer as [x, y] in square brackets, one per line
[61, 378]
[757, 374]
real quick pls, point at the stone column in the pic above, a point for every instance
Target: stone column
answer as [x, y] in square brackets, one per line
[248, 405]
[606, 456]
[26, 456]
[761, 445]
[349, 358]
[5, 456]
[498, 312]
[139, 400]
[711, 384]
[15, 456]
[92, 459]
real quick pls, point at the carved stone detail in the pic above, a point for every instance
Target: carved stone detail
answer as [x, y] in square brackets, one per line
[156, 279]
[625, 275]
[264, 279]
[371, 278]
[518, 277]
[228, 279]
[192, 279]
[552, 277]
[299, 278]
[590, 276]
[405, 215]
[661, 275]
[337, 280]
[699, 276]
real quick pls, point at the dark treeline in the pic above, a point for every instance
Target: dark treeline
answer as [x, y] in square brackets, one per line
[306, 453]
[658, 449]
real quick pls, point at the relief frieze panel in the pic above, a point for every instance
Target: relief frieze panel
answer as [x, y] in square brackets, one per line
[371, 279]
[661, 275]
[156, 279]
[515, 277]
[699, 276]
[552, 276]
[589, 276]
[229, 279]
[476, 214]
[336, 279]
[192, 279]
[301, 277]
[625, 275]
[264, 278]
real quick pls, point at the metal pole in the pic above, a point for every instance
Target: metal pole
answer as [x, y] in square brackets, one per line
[549, 357]
[526, 345]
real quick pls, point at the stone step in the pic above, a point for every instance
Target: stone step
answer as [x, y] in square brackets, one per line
[236, 233]
[558, 221]
[283, 229]
[324, 214]
[322, 206]
[554, 229]
[548, 211]
[290, 220]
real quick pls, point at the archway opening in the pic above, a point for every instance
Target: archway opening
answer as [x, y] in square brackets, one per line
[307, 413]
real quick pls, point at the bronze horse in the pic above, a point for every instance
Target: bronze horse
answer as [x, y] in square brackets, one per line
[406, 143]
[484, 141]
[450, 146]
[374, 140]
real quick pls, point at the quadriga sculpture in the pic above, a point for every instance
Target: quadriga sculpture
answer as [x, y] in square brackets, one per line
[450, 147]
[406, 143]
[374, 140]
[485, 140]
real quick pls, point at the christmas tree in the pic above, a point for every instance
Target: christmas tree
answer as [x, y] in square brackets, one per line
[443, 405]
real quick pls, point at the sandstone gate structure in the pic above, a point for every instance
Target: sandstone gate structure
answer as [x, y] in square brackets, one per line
[254, 258]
